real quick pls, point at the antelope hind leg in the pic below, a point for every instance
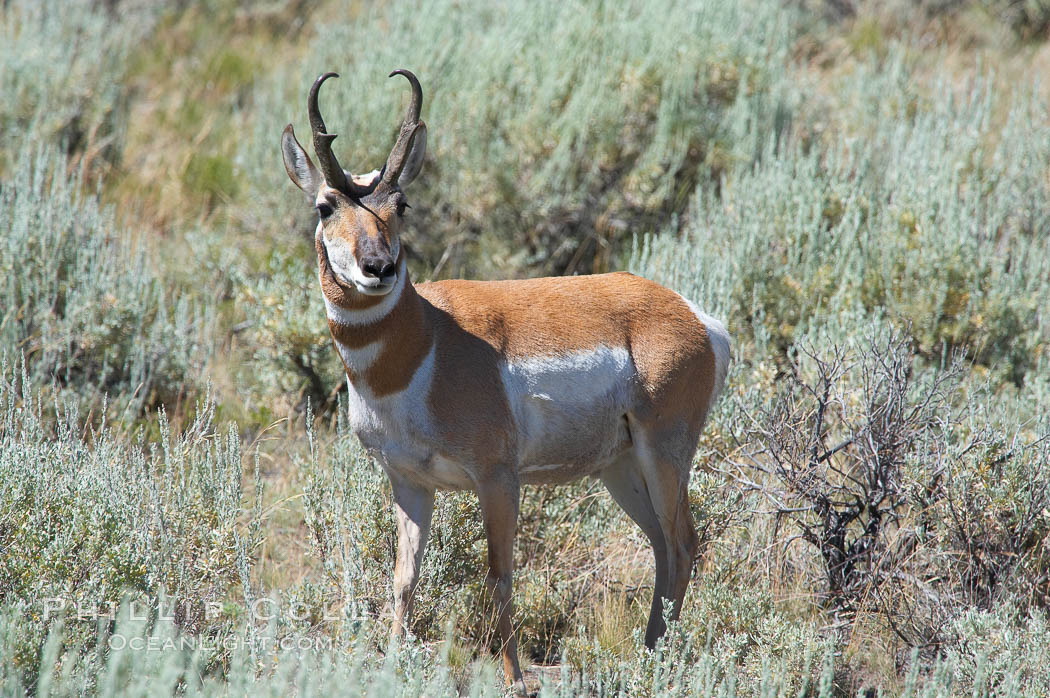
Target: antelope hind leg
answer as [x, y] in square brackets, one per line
[666, 478]
[624, 481]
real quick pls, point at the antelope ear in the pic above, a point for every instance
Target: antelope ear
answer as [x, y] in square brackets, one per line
[298, 165]
[414, 162]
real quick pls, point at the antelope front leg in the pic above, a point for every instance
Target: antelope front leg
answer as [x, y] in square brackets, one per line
[499, 510]
[413, 508]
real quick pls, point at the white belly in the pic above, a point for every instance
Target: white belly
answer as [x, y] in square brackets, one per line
[568, 416]
[569, 411]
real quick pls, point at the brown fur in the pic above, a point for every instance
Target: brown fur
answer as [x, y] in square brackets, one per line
[476, 325]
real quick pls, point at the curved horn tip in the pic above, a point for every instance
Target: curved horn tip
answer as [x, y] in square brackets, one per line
[320, 80]
[417, 92]
[407, 73]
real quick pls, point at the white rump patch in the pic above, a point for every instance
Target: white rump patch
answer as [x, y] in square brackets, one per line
[720, 343]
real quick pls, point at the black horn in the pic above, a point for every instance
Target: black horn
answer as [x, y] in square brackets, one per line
[396, 162]
[333, 172]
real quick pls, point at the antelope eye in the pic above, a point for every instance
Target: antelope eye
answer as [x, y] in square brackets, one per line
[401, 206]
[324, 210]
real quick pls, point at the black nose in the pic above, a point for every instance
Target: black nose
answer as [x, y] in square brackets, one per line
[379, 267]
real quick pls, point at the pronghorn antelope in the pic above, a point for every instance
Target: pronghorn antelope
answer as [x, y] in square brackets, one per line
[488, 386]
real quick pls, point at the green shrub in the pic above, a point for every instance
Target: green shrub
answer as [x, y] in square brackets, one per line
[89, 517]
[62, 69]
[925, 212]
[287, 337]
[78, 299]
[556, 128]
[813, 184]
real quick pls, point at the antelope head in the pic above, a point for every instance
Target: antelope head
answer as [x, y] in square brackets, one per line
[360, 215]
